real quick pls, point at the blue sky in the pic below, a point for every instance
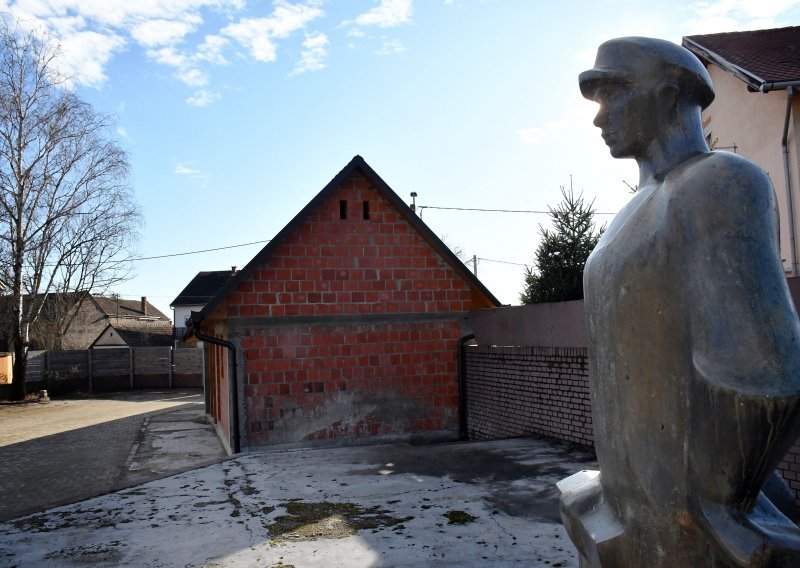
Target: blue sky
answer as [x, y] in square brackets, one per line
[236, 113]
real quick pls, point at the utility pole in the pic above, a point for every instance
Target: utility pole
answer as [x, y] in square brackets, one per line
[475, 264]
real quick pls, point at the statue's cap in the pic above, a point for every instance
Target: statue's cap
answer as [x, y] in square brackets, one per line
[638, 60]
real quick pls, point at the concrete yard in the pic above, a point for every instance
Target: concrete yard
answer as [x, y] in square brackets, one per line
[461, 504]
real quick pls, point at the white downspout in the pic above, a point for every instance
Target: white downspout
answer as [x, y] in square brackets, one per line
[787, 177]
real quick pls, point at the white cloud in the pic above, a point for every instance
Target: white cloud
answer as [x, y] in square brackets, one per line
[154, 33]
[211, 50]
[122, 133]
[91, 32]
[202, 98]
[314, 53]
[578, 114]
[391, 47]
[736, 15]
[183, 169]
[388, 14]
[85, 55]
[186, 69]
[192, 77]
[257, 34]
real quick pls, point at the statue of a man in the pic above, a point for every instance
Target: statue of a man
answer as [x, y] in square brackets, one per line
[694, 344]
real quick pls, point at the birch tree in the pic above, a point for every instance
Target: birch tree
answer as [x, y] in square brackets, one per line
[68, 215]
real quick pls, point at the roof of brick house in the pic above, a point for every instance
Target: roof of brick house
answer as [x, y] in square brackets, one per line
[357, 164]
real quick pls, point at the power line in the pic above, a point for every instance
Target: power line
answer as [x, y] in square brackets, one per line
[497, 210]
[199, 251]
[503, 261]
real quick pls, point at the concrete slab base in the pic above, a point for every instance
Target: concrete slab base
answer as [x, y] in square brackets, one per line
[463, 504]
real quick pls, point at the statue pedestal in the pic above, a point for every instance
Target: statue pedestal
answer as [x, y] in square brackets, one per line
[590, 522]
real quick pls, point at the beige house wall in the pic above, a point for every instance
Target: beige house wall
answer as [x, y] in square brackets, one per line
[753, 122]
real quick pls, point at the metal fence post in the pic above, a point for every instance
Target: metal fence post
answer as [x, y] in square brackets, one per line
[89, 368]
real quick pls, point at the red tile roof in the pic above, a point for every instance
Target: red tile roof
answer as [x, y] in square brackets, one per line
[118, 307]
[757, 57]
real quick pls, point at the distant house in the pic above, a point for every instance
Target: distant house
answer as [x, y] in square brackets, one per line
[756, 112]
[88, 318]
[134, 334]
[345, 326]
[197, 293]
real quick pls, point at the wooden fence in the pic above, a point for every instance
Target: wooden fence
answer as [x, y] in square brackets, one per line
[114, 369]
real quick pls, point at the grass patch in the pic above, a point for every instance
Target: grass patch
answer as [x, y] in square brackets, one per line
[459, 518]
[312, 521]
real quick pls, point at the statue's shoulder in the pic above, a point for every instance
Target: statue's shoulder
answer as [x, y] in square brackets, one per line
[721, 180]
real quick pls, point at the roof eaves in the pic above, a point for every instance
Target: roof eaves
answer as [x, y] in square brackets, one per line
[233, 282]
[432, 238]
[753, 80]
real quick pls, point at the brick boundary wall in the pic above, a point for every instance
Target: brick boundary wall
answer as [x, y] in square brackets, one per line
[519, 391]
[789, 468]
[522, 391]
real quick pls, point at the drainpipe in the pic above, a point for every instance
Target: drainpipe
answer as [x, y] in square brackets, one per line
[786, 170]
[233, 387]
[462, 387]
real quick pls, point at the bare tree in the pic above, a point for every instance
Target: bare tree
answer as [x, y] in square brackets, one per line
[68, 216]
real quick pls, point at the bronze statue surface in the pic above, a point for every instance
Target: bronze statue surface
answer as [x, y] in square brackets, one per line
[694, 344]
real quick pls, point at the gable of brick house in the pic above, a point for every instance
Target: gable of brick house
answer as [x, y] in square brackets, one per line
[347, 322]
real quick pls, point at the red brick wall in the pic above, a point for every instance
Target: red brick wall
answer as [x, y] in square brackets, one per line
[373, 346]
[330, 266]
[318, 382]
[519, 391]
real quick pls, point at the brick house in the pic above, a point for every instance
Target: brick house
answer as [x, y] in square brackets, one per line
[345, 326]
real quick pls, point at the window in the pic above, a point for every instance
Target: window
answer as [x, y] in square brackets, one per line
[343, 209]
[366, 210]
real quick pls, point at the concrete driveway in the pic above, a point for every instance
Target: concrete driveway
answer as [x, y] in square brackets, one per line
[72, 449]
[463, 504]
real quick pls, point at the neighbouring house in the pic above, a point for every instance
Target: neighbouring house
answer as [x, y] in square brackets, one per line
[134, 333]
[121, 323]
[90, 321]
[345, 326]
[197, 293]
[756, 112]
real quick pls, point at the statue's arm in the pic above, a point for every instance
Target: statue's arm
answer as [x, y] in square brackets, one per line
[743, 327]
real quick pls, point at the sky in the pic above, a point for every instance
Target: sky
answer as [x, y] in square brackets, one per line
[236, 113]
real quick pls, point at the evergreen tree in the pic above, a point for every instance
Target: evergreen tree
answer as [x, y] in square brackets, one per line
[562, 253]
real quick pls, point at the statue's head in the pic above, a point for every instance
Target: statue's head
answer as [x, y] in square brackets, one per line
[647, 62]
[635, 80]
